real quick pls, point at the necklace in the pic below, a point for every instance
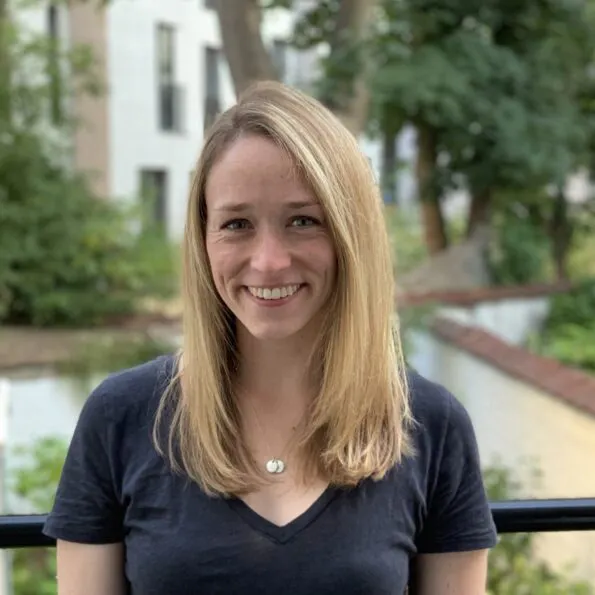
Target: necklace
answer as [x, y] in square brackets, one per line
[274, 465]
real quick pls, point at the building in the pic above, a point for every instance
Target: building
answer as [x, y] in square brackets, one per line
[166, 80]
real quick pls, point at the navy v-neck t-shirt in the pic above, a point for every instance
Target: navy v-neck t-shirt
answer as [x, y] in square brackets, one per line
[116, 488]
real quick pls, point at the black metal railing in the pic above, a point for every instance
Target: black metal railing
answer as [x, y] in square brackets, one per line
[512, 516]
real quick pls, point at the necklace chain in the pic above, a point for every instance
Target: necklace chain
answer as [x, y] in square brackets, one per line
[274, 465]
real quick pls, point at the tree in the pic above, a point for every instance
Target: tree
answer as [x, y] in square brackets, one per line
[246, 54]
[344, 22]
[535, 130]
[65, 257]
[491, 90]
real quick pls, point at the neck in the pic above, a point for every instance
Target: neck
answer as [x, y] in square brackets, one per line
[276, 374]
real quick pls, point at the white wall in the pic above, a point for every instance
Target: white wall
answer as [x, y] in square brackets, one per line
[512, 320]
[136, 140]
[517, 423]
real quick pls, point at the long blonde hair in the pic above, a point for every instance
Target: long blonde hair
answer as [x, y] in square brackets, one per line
[359, 424]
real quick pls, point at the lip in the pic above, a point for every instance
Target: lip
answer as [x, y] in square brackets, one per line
[273, 303]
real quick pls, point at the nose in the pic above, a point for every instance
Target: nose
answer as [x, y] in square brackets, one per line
[270, 254]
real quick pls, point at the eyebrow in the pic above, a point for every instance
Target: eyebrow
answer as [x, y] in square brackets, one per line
[237, 207]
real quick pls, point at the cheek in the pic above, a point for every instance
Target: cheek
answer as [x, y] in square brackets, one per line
[223, 260]
[216, 261]
[326, 256]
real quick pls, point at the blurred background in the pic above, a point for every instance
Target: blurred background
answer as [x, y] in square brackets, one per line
[478, 118]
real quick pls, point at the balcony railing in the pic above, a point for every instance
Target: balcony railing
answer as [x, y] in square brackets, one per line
[512, 516]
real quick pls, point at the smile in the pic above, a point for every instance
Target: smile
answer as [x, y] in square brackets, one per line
[273, 293]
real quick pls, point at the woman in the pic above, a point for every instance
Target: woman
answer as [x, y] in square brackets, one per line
[286, 449]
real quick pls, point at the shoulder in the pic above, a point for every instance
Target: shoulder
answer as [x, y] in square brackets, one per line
[130, 392]
[440, 418]
[447, 465]
[431, 403]
[111, 438]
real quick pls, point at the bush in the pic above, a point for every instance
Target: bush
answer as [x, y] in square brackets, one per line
[568, 331]
[575, 307]
[519, 253]
[67, 257]
[34, 569]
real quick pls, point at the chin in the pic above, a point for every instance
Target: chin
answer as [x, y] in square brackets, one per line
[271, 331]
[271, 334]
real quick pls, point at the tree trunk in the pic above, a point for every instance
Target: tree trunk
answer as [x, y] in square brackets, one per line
[389, 166]
[479, 210]
[561, 233]
[353, 18]
[248, 59]
[431, 211]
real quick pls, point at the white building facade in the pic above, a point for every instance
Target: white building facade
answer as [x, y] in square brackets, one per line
[166, 79]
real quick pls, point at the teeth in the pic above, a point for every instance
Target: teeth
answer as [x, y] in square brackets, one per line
[274, 293]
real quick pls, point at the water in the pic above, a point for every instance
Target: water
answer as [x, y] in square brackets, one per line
[41, 404]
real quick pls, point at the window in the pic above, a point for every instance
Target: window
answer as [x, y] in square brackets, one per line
[212, 106]
[53, 64]
[153, 191]
[166, 53]
[170, 94]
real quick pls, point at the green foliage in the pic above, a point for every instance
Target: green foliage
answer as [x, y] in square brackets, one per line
[514, 568]
[568, 331]
[36, 481]
[503, 89]
[519, 252]
[34, 570]
[494, 103]
[572, 345]
[406, 237]
[575, 307]
[67, 257]
[581, 264]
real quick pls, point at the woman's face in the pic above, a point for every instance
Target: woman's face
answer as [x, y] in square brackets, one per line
[270, 252]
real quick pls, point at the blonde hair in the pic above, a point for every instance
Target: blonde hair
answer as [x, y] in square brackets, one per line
[359, 424]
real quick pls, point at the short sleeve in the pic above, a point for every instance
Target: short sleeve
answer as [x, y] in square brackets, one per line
[86, 507]
[458, 516]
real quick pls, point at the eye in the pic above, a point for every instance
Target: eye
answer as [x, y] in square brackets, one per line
[235, 225]
[304, 221]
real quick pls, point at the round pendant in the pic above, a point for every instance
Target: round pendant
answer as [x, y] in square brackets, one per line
[275, 466]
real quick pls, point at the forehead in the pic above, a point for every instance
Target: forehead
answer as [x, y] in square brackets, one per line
[254, 168]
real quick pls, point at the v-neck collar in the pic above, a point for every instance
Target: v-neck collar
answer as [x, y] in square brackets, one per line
[286, 532]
